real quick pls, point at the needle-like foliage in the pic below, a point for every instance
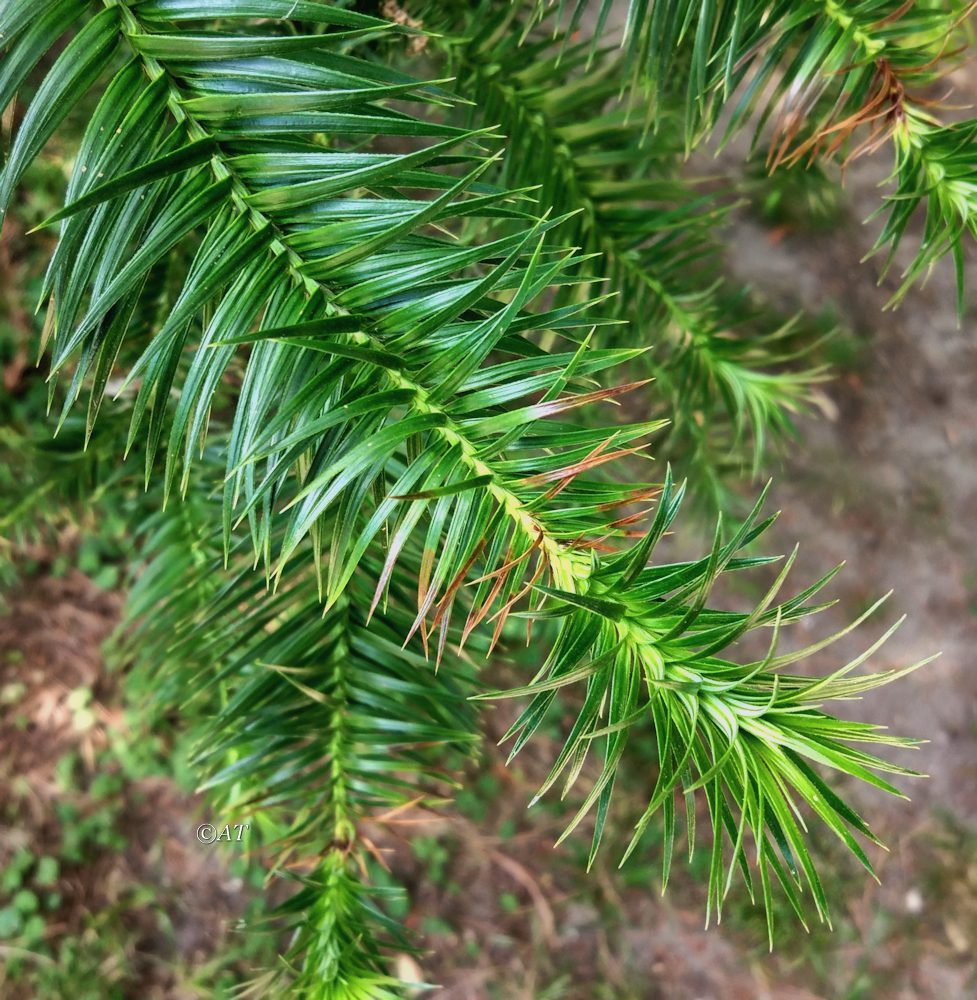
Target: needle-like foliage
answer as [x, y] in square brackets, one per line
[369, 381]
[816, 78]
[309, 727]
[643, 644]
[725, 374]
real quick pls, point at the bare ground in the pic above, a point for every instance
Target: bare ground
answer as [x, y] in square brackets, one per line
[140, 831]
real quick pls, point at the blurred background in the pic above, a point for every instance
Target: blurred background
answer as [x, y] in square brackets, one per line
[105, 891]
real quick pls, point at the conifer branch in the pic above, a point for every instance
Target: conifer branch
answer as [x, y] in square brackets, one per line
[327, 372]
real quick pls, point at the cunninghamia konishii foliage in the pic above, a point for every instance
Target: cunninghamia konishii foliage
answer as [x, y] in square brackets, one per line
[721, 369]
[821, 73]
[364, 425]
[308, 724]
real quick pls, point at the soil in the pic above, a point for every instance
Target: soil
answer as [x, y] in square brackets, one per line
[51, 639]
